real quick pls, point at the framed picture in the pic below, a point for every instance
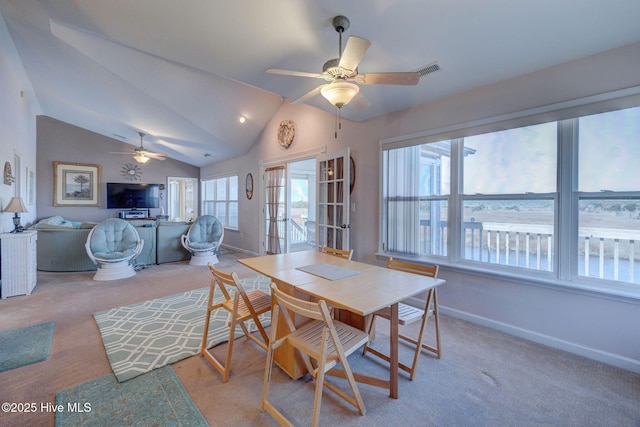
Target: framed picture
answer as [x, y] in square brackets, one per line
[76, 184]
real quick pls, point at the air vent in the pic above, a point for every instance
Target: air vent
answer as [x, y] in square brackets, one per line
[428, 69]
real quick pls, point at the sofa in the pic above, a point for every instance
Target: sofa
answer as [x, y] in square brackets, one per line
[61, 243]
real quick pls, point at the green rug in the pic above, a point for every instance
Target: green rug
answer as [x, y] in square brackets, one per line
[157, 398]
[141, 337]
[24, 346]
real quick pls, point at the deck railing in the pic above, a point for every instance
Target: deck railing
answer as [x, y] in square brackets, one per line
[604, 252]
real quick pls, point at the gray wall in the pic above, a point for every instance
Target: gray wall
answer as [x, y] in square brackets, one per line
[565, 315]
[59, 141]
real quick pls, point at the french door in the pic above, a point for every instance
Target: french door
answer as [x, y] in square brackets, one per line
[333, 189]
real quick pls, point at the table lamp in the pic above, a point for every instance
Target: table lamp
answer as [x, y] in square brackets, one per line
[16, 205]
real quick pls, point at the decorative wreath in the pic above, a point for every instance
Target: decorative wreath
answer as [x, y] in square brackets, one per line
[286, 133]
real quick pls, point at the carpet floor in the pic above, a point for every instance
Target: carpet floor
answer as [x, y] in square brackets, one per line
[485, 377]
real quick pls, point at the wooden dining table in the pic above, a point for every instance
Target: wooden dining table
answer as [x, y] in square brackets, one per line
[344, 284]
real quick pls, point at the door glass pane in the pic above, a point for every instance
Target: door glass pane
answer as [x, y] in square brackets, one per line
[340, 168]
[331, 170]
[322, 214]
[339, 216]
[323, 171]
[340, 192]
[330, 238]
[339, 236]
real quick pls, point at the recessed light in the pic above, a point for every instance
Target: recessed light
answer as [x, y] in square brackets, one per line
[242, 119]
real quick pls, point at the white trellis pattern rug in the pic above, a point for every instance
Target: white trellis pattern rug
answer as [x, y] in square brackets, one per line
[141, 337]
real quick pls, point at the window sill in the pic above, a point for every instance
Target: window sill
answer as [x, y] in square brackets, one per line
[625, 292]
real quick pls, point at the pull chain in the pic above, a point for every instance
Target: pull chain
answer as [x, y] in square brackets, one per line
[338, 123]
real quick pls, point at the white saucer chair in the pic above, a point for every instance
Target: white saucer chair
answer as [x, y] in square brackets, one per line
[203, 239]
[111, 245]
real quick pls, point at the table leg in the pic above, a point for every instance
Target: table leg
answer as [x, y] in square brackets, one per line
[393, 348]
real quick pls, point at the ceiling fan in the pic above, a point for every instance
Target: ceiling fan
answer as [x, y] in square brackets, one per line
[340, 72]
[141, 155]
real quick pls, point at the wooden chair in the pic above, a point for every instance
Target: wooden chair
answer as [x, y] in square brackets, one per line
[324, 340]
[346, 254]
[242, 307]
[408, 314]
[342, 315]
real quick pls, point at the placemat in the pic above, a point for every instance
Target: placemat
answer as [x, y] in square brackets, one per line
[328, 271]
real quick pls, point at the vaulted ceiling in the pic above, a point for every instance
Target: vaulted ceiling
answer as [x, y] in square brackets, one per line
[183, 72]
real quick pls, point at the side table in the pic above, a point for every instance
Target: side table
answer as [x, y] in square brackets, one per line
[19, 263]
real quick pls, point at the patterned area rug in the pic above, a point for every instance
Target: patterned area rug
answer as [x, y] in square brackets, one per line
[141, 337]
[154, 399]
[24, 346]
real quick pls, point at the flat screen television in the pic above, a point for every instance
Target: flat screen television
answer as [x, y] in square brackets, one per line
[121, 195]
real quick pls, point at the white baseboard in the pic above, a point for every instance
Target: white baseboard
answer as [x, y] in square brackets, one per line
[244, 251]
[590, 353]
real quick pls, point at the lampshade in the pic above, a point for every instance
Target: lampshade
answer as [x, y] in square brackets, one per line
[340, 93]
[141, 158]
[15, 205]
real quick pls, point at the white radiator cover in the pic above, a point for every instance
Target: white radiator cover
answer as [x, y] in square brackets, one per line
[19, 263]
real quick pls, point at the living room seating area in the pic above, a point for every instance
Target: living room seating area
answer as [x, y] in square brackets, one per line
[61, 243]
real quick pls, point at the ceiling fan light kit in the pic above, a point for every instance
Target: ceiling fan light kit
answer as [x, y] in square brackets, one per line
[141, 158]
[340, 93]
[141, 155]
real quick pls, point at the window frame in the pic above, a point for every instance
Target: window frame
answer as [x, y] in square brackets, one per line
[566, 197]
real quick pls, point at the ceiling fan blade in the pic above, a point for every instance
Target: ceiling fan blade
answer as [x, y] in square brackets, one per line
[353, 52]
[158, 156]
[308, 95]
[293, 73]
[408, 78]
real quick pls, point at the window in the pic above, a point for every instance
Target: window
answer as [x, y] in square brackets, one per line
[609, 195]
[220, 199]
[509, 200]
[416, 198]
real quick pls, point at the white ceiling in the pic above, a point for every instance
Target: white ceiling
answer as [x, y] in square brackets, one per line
[184, 71]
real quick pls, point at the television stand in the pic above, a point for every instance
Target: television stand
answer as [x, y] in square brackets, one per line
[134, 214]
